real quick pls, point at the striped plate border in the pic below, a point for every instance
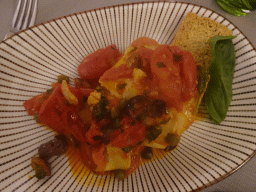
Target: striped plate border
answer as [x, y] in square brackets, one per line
[32, 59]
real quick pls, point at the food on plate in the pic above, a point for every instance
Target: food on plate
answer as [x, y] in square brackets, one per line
[122, 106]
[210, 43]
[219, 92]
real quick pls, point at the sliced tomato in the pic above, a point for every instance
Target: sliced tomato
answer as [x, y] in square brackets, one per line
[93, 131]
[62, 117]
[188, 76]
[115, 73]
[129, 135]
[95, 64]
[175, 72]
[135, 160]
[168, 76]
[145, 54]
[33, 105]
[94, 157]
[142, 41]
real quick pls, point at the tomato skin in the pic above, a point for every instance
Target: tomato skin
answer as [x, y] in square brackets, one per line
[166, 73]
[62, 117]
[34, 104]
[115, 73]
[188, 75]
[95, 64]
[129, 135]
[141, 41]
[135, 160]
[94, 130]
[94, 157]
[175, 72]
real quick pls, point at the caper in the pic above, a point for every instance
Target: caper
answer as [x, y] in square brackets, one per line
[63, 77]
[120, 174]
[172, 139]
[40, 174]
[147, 153]
[170, 148]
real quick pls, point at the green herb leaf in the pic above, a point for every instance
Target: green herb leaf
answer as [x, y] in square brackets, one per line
[121, 86]
[160, 64]
[177, 58]
[219, 92]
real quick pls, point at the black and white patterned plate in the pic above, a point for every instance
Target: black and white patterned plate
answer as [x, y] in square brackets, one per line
[31, 60]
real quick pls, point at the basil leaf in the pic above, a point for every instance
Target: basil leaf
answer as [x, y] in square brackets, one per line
[219, 92]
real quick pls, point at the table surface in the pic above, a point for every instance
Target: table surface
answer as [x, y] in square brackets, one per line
[244, 178]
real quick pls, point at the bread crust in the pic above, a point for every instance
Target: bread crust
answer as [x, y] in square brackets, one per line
[194, 33]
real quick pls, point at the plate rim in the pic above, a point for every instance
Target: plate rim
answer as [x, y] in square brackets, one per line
[216, 180]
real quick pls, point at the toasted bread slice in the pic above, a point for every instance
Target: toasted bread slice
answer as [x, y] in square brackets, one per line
[193, 34]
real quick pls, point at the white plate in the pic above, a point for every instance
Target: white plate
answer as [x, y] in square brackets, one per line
[31, 60]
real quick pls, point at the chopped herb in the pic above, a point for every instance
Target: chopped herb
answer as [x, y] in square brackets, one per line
[97, 138]
[177, 58]
[112, 62]
[127, 149]
[113, 47]
[160, 64]
[100, 108]
[121, 86]
[49, 91]
[99, 89]
[153, 133]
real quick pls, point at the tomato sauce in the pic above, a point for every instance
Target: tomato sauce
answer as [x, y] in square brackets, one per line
[171, 76]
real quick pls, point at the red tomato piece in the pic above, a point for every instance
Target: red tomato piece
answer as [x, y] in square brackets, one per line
[129, 135]
[135, 160]
[33, 105]
[188, 75]
[167, 74]
[145, 54]
[141, 41]
[92, 132]
[95, 64]
[115, 73]
[60, 116]
[94, 157]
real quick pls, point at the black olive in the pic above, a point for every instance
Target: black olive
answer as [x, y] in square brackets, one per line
[56, 147]
[170, 148]
[157, 108]
[172, 139]
[147, 153]
[120, 174]
[136, 106]
[62, 138]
